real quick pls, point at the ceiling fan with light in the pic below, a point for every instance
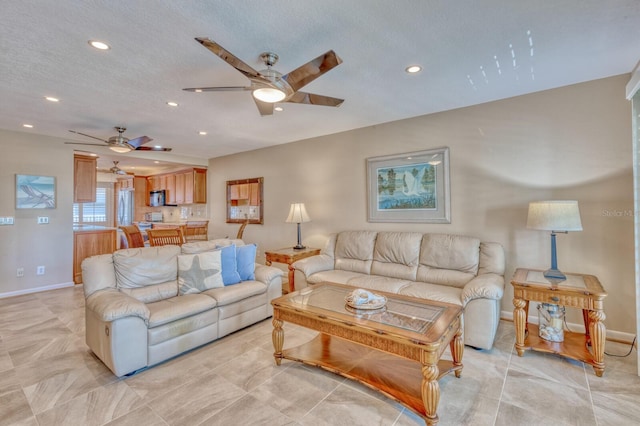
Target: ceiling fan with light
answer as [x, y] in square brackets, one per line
[269, 86]
[115, 169]
[120, 144]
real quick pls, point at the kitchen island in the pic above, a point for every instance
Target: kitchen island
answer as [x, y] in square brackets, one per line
[90, 240]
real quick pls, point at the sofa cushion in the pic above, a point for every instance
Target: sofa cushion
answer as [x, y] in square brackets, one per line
[199, 272]
[448, 259]
[175, 308]
[180, 327]
[396, 255]
[234, 293]
[379, 283]
[438, 293]
[334, 276]
[354, 251]
[246, 261]
[149, 274]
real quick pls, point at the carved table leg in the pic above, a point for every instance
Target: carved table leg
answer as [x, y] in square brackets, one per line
[598, 332]
[519, 320]
[457, 348]
[277, 336]
[430, 393]
[292, 284]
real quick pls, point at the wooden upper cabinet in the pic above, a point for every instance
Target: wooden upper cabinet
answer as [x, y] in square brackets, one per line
[179, 188]
[140, 196]
[183, 187]
[199, 186]
[84, 179]
[254, 194]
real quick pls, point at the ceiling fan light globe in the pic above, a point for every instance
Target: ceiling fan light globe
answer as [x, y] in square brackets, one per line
[269, 95]
[120, 149]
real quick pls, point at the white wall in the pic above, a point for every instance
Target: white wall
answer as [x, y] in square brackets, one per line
[569, 143]
[27, 244]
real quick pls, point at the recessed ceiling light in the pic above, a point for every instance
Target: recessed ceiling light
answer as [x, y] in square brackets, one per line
[173, 104]
[99, 45]
[28, 126]
[279, 109]
[93, 155]
[52, 99]
[202, 133]
[158, 147]
[413, 69]
[198, 90]
[156, 162]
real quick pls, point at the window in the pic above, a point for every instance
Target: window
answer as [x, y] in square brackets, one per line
[98, 213]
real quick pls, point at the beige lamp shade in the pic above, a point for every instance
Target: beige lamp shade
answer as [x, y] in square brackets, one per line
[298, 214]
[554, 215]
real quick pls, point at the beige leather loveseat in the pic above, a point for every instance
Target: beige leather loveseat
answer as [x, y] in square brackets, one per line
[448, 268]
[143, 307]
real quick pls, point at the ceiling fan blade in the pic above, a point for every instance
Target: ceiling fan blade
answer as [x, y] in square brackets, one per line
[265, 108]
[218, 89]
[313, 69]
[89, 136]
[313, 99]
[135, 143]
[229, 58]
[85, 143]
[152, 148]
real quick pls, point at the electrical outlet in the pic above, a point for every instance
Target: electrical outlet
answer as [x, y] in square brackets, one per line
[40, 270]
[20, 272]
[6, 220]
[43, 220]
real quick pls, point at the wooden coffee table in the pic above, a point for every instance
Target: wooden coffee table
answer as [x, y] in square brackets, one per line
[395, 350]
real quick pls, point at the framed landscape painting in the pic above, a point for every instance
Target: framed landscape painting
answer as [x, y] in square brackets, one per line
[35, 192]
[411, 187]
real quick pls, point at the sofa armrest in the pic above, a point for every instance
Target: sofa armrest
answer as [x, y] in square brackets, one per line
[111, 304]
[313, 264]
[485, 286]
[267, 274]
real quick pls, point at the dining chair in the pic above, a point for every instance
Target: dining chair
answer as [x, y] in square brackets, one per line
[197, 230]
[165, 236]
[133, 235]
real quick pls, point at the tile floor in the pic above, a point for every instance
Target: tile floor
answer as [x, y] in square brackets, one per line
[49, 377]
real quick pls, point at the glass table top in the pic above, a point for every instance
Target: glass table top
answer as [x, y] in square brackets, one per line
[404, 314]
[574, 281]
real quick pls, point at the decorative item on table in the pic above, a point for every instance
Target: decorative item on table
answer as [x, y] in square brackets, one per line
[298, 214]
[550, 322]
[364, 299]
[557, 217]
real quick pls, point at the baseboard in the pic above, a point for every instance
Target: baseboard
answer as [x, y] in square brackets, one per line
[35, 290]
[613, 335]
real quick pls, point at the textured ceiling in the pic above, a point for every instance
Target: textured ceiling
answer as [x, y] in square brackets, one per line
[472, 52]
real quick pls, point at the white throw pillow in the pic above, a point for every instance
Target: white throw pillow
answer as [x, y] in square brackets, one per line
[199, 272]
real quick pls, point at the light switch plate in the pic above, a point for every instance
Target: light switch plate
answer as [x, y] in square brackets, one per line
[6, 220]
[43, 220]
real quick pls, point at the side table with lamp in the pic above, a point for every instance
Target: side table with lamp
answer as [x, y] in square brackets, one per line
[555, 291]
[297, 214]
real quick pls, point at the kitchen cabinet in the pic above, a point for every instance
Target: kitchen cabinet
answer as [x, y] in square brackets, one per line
[182, 187]
[239, 192]
[170, 188]
[84, 179]
[90, 241]
[140, 196]
[199, 186]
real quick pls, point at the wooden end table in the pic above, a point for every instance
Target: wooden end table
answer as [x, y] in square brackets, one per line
[577, 291]
[289, 255]
[395, 350]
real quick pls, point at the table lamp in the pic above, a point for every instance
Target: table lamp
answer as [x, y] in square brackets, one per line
[298, 214]
[557, 217]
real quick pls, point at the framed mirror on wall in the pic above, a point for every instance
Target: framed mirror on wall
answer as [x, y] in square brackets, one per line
[245, 200]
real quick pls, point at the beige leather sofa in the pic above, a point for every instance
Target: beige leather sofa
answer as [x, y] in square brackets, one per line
[136, 318]
[448, 268]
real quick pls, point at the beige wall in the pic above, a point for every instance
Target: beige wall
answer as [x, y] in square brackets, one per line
[569, 143]
[27, 244]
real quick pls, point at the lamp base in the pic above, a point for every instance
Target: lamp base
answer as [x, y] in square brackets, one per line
[299, 247]
[554, 275]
